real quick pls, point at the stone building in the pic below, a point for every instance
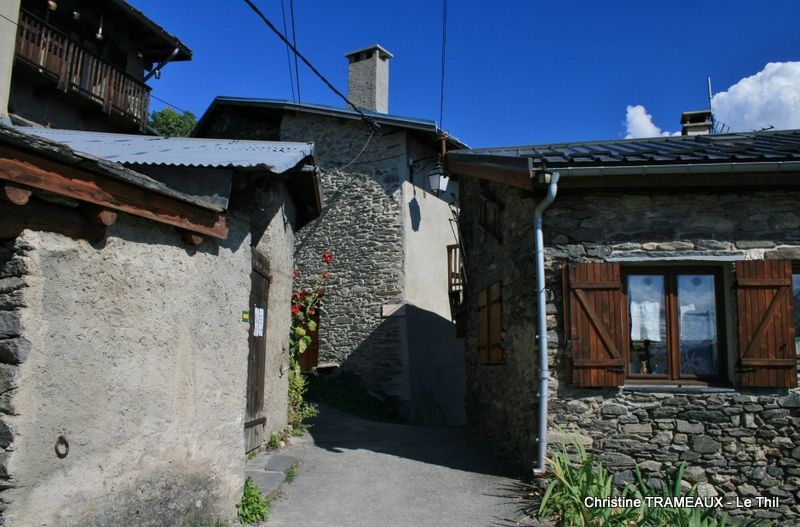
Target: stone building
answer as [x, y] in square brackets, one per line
[672, 299]
[82, 65]
[386, 317]
[144, 321]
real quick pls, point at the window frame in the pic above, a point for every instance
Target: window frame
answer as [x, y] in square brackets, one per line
[674, 375]
[485, 303]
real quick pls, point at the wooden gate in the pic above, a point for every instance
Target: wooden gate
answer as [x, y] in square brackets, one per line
[255, 418]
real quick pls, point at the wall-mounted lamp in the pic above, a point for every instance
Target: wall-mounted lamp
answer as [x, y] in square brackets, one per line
[76, 15]
[52, 5]
[158, 74]
[438, 179]
[99, 35]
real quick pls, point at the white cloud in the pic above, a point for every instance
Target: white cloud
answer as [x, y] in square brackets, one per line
[639, 123]
[771, 97]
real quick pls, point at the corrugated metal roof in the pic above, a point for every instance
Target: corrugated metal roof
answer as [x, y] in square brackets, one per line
[275, 156]
[772, 145]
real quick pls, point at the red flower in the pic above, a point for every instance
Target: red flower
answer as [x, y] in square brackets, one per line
[295, 275]
[295, 309]
[327, 257]
[326, 275]
[312, 310]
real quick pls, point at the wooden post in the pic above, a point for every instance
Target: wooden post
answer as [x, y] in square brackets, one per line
[16, 195]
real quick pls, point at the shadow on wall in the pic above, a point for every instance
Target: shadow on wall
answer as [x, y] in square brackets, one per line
[427, 385]
[457, 448]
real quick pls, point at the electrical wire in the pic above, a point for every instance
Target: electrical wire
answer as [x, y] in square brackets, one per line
[168, 103]
[15, 23]
[444, 55]
[316, 72]
[294, 43]
[371, 133]
[288, 54]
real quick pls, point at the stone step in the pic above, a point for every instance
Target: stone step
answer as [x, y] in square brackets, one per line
[268, 472]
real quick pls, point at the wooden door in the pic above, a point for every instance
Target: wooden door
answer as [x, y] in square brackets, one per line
[255, 415]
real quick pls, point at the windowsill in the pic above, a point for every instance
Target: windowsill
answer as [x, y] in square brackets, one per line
[676, 388]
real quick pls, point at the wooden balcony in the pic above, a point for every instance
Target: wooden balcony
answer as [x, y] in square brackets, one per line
[76, 71]
[455, 287]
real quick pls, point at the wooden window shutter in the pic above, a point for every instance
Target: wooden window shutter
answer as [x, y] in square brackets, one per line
[597, 322]
[767, 357]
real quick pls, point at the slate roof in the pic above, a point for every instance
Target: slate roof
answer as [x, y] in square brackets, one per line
[425, 126]
[275, 156]
[762, 146]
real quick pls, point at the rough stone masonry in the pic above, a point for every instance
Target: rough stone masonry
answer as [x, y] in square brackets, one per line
[736, 442]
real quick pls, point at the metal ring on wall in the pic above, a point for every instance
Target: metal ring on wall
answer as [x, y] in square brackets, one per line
[62, 447]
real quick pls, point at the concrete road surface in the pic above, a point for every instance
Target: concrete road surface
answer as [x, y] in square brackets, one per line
[357, 473]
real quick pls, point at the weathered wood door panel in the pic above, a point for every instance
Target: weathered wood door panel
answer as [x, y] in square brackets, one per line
[255, 414]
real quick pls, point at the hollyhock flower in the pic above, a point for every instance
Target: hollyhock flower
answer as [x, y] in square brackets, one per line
[326, 275]
[295, 309]
[295, 275]
[312, 310]
[327, 257]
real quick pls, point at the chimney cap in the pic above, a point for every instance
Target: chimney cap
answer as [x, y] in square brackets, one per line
[384, 53]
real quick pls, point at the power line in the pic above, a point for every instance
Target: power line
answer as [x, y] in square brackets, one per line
[444, 55]
[294, 43]
[168, 103]
[310, 66]
[288, 54]
[15, 23]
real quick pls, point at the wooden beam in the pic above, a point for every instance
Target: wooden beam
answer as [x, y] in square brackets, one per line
[99, 215]
[40, 216]
[190, 238]
[16, 195]
[33, 171]
[506, 176]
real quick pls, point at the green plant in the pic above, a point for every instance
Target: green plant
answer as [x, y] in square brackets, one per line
[251, 455]
[572, 482]
[305, 303]
[565, 497]
[291, 474]
[275, 439]
[253, 507]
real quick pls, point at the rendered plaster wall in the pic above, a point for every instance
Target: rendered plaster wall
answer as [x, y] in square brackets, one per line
[363, 326]
[138, 357]
[436, 353]
[736, 443]
[8, 36]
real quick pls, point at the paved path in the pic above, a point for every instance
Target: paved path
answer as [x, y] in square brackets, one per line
[358, 473]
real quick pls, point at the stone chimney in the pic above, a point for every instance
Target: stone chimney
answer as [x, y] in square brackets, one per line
[9, 9]
[699, 122]
[368, 78]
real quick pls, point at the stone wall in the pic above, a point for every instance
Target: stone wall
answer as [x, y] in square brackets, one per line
[14, 350]
[361, 225]
[138, 358]
[739, 443]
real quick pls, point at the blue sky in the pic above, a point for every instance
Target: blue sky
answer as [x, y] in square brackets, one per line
[518, 72]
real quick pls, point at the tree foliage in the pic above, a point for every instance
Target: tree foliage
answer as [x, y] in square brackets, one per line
[170, 123]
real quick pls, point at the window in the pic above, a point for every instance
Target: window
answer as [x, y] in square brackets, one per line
[674, 324]
[665, 325]
[490, 316]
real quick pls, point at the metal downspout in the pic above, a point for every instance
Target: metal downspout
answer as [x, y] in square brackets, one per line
[541, 320]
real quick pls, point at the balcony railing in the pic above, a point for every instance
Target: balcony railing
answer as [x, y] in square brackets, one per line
[455, 286]
[79, 71]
